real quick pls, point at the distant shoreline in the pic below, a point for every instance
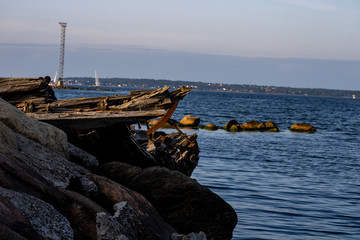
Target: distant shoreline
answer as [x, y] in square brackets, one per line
[78, 88]
[107, 83]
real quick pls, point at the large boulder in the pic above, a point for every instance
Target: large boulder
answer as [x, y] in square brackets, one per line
[7, 138]
[166, 125]
[79, 156]
[181, 201]
[302, 127]
[21, 177]
[236, 128]
[211, 127]
[86, 200]
[250, 126]
[50, 165]
[136, 214]
[44, 174]
[271, 126]
[7, 233]
[190, 121]
[190, 236]
[43, 133]
[13, 224]
[229, 124]
[84, 213]
[260, 126]
[35, 219]
[88, 218]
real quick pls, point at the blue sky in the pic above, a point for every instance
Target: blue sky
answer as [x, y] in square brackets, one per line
[299, 43]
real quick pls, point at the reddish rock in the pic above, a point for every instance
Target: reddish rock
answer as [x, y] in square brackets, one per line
[271, 126]
[190, 121]
[236, 128]
[252, 125]
[302, 127]
[211, 127]
[166, 125]
[229, 124]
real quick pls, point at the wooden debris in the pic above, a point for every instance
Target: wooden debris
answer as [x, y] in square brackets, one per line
[16, 90]
[175, 151]
[89, 120]
[30, 96]
[163, 120]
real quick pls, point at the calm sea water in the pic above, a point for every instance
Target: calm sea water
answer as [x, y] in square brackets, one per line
[282, 185]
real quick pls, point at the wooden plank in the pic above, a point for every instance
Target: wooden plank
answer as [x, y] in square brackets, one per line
[145, 96]
[30, 96]
[163, 120]
[97, 114]
[90, 120]
[16, 90]
[15, 85]
[180, 93]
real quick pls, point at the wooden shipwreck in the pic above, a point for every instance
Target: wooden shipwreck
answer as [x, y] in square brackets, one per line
[30, 96]
[100, 125]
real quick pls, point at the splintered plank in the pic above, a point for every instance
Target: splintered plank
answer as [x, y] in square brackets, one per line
[88, 120]
[85, 103]
[30, 95]
[16, 85]
[16, 90]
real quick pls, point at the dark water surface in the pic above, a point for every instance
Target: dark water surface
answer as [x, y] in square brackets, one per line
[282, 185]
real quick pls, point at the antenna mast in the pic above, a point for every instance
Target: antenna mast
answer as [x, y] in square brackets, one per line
[62, 52]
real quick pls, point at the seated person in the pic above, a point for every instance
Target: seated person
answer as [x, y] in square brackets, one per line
[49, 89]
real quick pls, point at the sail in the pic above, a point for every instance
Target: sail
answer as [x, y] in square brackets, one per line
[97, 82]
[55, 80]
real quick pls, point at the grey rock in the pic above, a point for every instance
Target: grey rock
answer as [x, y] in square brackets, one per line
[124, 214]
[108, 228]
[7, 233]
[44, 219]
[119, 226]
[43, 133]
[52, 166]
[7, 137]
[82, 212]
[13, 224]
[181, 201]
[81, 157]
[133, 211]
[191, 236]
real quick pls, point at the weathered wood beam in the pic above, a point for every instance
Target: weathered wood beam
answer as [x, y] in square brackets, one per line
[16, 90]
[30, 95]
[179, 93]
[144, 100]
[16, 85]
[77, 103]
[89, 120]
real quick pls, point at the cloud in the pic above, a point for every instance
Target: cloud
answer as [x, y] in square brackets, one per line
[322, 5]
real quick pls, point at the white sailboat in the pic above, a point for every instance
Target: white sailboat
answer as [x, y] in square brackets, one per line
[55, 80]
[97, 82]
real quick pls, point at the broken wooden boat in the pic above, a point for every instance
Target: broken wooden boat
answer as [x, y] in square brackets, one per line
[30, 96]
[100, 125]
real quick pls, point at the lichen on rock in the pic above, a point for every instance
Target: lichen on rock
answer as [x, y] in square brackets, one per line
[43, 217]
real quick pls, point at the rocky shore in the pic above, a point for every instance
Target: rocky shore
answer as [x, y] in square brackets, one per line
[101, 184]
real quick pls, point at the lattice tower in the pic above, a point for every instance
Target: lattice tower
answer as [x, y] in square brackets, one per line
[62, 53]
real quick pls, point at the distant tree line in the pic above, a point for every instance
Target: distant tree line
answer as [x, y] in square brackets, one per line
[142, 83]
